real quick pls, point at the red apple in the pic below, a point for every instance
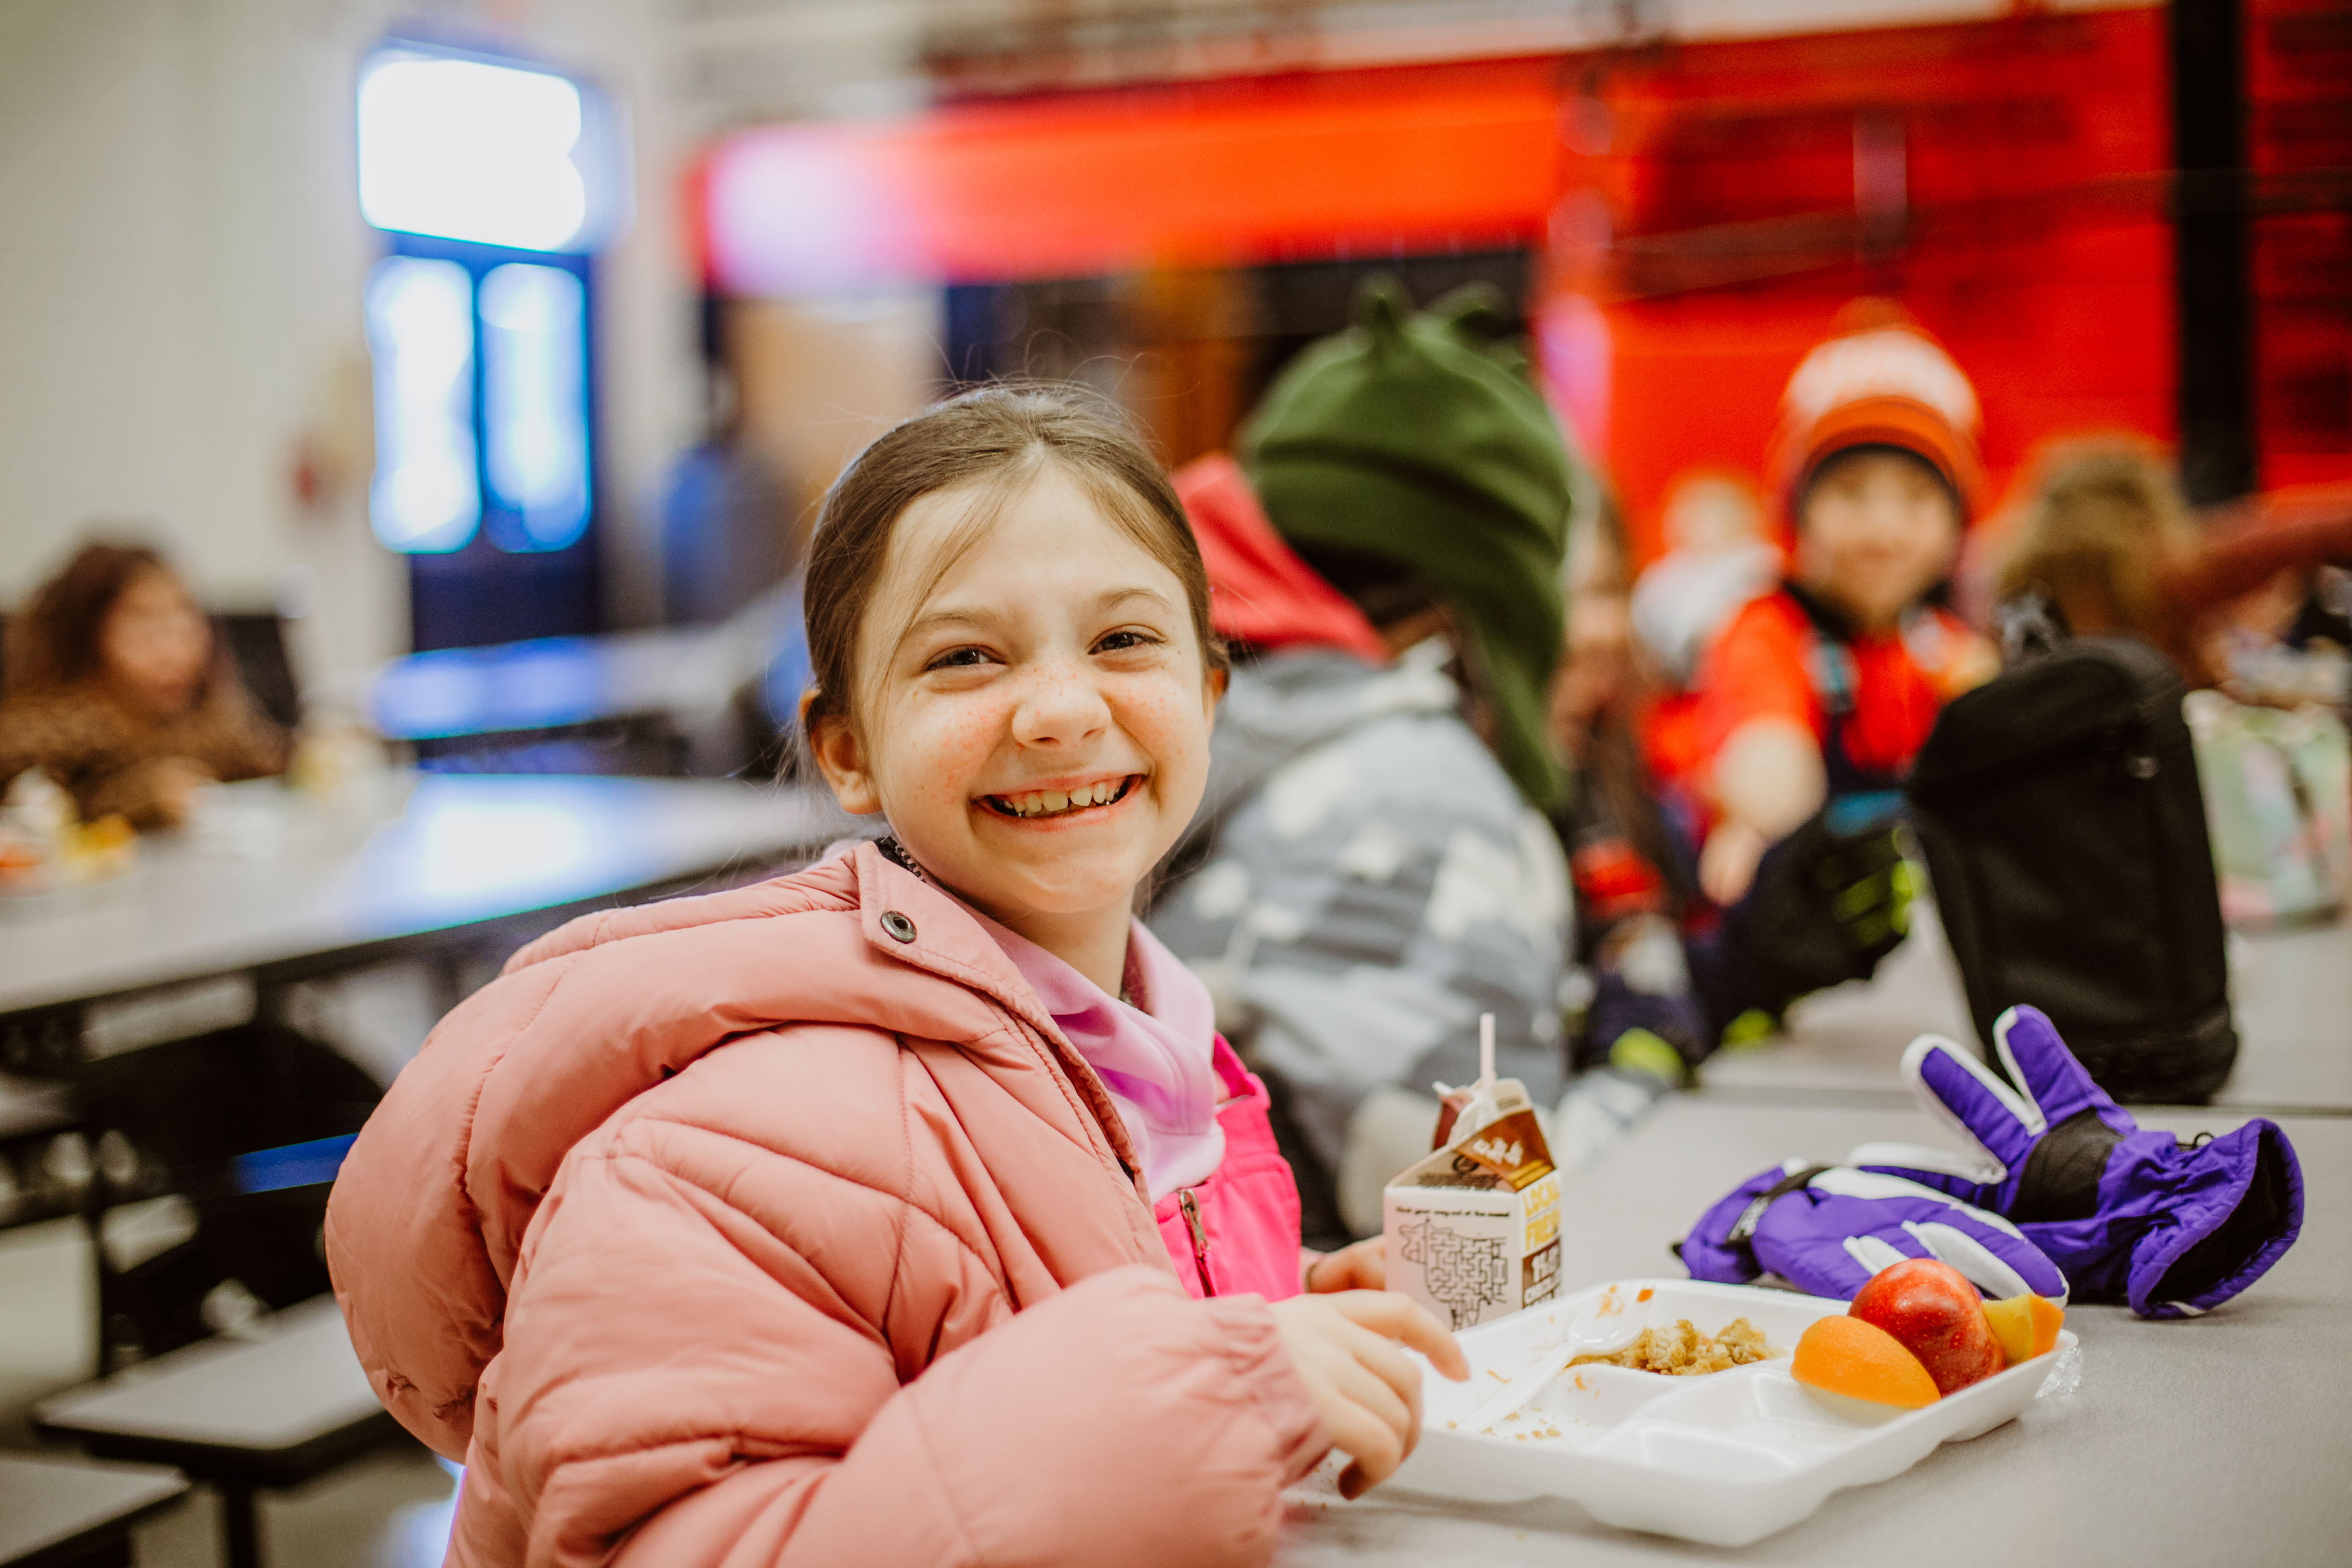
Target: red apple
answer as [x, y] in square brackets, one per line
[1936, 1315]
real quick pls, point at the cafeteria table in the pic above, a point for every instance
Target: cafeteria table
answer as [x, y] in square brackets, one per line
[70, 1513]
[269, 887]
[639, 695]
[2224, 1438]
[2291, 991]
[280, 1405]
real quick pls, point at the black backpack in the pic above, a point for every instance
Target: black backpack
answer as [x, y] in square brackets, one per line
[2065, 830]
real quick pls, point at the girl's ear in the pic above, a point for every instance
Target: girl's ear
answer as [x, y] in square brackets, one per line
[833, 742]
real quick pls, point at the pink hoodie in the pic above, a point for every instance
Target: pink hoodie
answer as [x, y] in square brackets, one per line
[755, 1229]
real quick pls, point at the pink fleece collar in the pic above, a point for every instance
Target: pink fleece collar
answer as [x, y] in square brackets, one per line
[1155, 1056]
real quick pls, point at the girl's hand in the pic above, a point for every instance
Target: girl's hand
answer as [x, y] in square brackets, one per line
[1362, 1267]
[1368, 1394]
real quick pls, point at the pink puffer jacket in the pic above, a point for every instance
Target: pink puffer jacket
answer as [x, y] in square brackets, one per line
[741, 1230]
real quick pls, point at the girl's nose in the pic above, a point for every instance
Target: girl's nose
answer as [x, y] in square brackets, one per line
[1059, 706]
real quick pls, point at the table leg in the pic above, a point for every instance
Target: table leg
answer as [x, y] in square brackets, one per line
[102, 1291]
[240, 1526]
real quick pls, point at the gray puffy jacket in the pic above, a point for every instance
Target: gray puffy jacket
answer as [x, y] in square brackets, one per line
[1361, 883]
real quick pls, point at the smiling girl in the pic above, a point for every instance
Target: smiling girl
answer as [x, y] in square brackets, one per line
[907, 1209]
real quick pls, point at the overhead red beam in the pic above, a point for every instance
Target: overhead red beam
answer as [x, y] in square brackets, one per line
[1411, 159]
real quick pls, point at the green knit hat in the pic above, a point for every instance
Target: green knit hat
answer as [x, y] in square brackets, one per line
[1420, 440]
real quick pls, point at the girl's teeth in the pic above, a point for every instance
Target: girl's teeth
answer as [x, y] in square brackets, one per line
[1048, 803]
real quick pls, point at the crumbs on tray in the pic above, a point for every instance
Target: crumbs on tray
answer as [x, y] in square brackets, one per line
[1682, 1351]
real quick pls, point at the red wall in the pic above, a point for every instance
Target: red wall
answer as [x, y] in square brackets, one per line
[2299, 82]
[2031, 241]
[1698, 203]
[1212, 173]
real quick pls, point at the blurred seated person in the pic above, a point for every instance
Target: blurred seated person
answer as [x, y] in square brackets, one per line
[1717, 559]
[1823, 690]
[1371, 869]
[2107, 546]
[1664, 977]
[120, 688]
[727, 536]
[1634, 875]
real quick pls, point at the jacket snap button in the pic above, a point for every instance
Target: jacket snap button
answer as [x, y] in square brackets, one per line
[900, 928]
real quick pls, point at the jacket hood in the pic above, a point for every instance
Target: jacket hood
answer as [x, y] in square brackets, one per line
[439, 1189]
[1260, 593]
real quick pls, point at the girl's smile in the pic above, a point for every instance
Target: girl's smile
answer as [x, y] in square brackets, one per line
[1062, 801]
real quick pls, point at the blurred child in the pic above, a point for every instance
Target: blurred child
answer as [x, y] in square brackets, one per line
[1717, 560]
[2106, 545]
[1634, 878]
[1825, 689]
[907, 1209]
[1665, 975]
[118, 690]
[1371, 869]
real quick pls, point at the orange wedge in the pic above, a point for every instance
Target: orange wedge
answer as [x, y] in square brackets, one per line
[1853, 1360]
[2026, 1326]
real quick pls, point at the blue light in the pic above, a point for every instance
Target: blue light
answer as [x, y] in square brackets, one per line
[535, 392]
[426, 498]
[290, 1165]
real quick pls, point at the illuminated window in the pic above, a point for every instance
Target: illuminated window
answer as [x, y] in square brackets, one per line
[420, 320]
[463, 148]
[535, 421]
[495, 180]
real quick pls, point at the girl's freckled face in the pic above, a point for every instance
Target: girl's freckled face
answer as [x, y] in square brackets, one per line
[1035, 726]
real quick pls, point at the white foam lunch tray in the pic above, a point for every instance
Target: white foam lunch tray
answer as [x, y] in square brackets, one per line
[1726, 1458]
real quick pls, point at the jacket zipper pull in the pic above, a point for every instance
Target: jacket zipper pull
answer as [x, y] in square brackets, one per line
[1192, 1209]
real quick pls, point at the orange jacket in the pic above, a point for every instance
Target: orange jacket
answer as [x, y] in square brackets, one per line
[1763, 665]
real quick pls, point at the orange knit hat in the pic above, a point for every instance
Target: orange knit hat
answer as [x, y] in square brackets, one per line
[1879, 380]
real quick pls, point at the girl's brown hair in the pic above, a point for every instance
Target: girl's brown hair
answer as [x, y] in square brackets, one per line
[53, 642]
[996, 440]
[2104, 524]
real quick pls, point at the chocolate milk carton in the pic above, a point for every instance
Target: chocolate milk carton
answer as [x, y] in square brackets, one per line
[1473, 1230]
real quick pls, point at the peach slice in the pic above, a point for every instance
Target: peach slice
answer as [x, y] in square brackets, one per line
[1848, 1359]
[2026, 1326]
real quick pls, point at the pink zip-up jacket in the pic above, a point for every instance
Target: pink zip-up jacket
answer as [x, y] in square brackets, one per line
[781, 1227]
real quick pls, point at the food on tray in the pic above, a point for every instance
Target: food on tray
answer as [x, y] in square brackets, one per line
[1935, 1313]
[1682, 1351]
[2026, 1326]
[1847, 1359]
[1915, 1332]
[20, 859]
[44, 847]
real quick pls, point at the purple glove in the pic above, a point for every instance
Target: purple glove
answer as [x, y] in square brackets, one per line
[1826, 1229]
[2174, 1228]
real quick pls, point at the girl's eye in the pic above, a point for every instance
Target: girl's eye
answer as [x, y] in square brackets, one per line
[959, 659]
[1120, 641]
